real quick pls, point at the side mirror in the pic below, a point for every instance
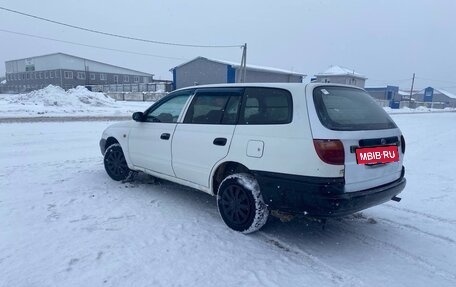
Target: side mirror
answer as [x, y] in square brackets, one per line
[138, 116]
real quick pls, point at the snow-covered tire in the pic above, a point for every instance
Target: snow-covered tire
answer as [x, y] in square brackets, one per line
[115, 164]
[241, 204]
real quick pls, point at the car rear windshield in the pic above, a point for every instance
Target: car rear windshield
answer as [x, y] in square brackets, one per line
[349, 109]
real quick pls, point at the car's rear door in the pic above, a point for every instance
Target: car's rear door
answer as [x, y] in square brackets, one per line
[353, 117]
[205, 135]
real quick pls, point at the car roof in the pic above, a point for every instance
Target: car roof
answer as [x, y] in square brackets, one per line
[269, 85]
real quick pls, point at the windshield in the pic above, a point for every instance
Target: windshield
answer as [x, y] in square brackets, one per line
[348, 109]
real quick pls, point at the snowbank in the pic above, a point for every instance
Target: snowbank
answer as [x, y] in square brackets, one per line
[55, 101]
[406, 110]
[56, 96]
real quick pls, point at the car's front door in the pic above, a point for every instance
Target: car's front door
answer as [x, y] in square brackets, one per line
[150, 140]
[205, 135]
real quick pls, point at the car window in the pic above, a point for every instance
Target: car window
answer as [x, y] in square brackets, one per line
[348, 109]
[266, 106]
[169, 111]
[232, 110]
[252, 107]
[219, 107]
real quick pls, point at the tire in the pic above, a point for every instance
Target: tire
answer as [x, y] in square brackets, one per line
[241, 204]
[115, 164]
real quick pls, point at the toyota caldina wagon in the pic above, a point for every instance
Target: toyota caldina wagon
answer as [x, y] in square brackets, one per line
[322, 150]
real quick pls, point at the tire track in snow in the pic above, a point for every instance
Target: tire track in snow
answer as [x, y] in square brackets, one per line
[416, 259]
[422, 214]
[413, 228]
[32, 119]
[335, 275]
[97, 160]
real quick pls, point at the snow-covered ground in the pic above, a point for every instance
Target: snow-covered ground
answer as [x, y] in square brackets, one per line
[63, 222]
[53, 101]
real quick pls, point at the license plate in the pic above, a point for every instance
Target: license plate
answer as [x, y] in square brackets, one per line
[377, 155]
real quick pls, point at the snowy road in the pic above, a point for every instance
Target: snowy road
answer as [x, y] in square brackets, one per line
[63, 222]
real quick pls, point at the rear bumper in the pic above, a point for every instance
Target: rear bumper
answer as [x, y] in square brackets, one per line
[321, 197]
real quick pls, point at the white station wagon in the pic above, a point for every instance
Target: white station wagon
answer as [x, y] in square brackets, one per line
[321, 150]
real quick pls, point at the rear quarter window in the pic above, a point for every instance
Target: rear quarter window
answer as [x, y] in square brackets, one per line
[214, 107]
[349, 109]
[266, 106]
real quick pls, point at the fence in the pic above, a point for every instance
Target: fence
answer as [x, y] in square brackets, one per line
[429, 105]
[415, 104]
[136, 96]
[165, 86]
[134, 88]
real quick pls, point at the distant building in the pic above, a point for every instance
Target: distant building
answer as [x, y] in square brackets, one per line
[340, 75]
[66, 71]
[388, 94]
[391, 96]
[201, 71]
[432, 95]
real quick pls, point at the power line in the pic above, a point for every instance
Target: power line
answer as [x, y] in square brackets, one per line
[434, 80]
[90, 46]
[117, 35]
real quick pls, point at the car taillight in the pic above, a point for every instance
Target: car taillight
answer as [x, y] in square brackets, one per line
[403, 144]
[330, 151]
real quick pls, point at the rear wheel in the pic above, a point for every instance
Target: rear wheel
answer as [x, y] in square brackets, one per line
[241, 204]
[115, 163]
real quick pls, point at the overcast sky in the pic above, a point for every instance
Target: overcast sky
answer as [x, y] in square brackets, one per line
[387, 41]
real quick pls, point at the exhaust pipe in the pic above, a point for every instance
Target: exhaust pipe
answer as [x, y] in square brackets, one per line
[395, 198]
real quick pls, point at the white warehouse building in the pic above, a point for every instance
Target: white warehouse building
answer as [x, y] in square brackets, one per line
[341, 75]
[67, 71]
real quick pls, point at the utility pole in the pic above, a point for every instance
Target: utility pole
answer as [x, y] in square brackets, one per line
[411, 89]
[243, 63]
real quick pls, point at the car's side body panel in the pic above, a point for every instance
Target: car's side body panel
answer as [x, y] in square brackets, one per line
[148, 149]
[120, 132]
[195, 150]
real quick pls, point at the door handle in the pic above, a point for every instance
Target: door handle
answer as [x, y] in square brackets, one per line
[165, 136]
[220, 141]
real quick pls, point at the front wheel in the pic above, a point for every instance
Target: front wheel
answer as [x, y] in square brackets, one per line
[241, 204]
[115, 163]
